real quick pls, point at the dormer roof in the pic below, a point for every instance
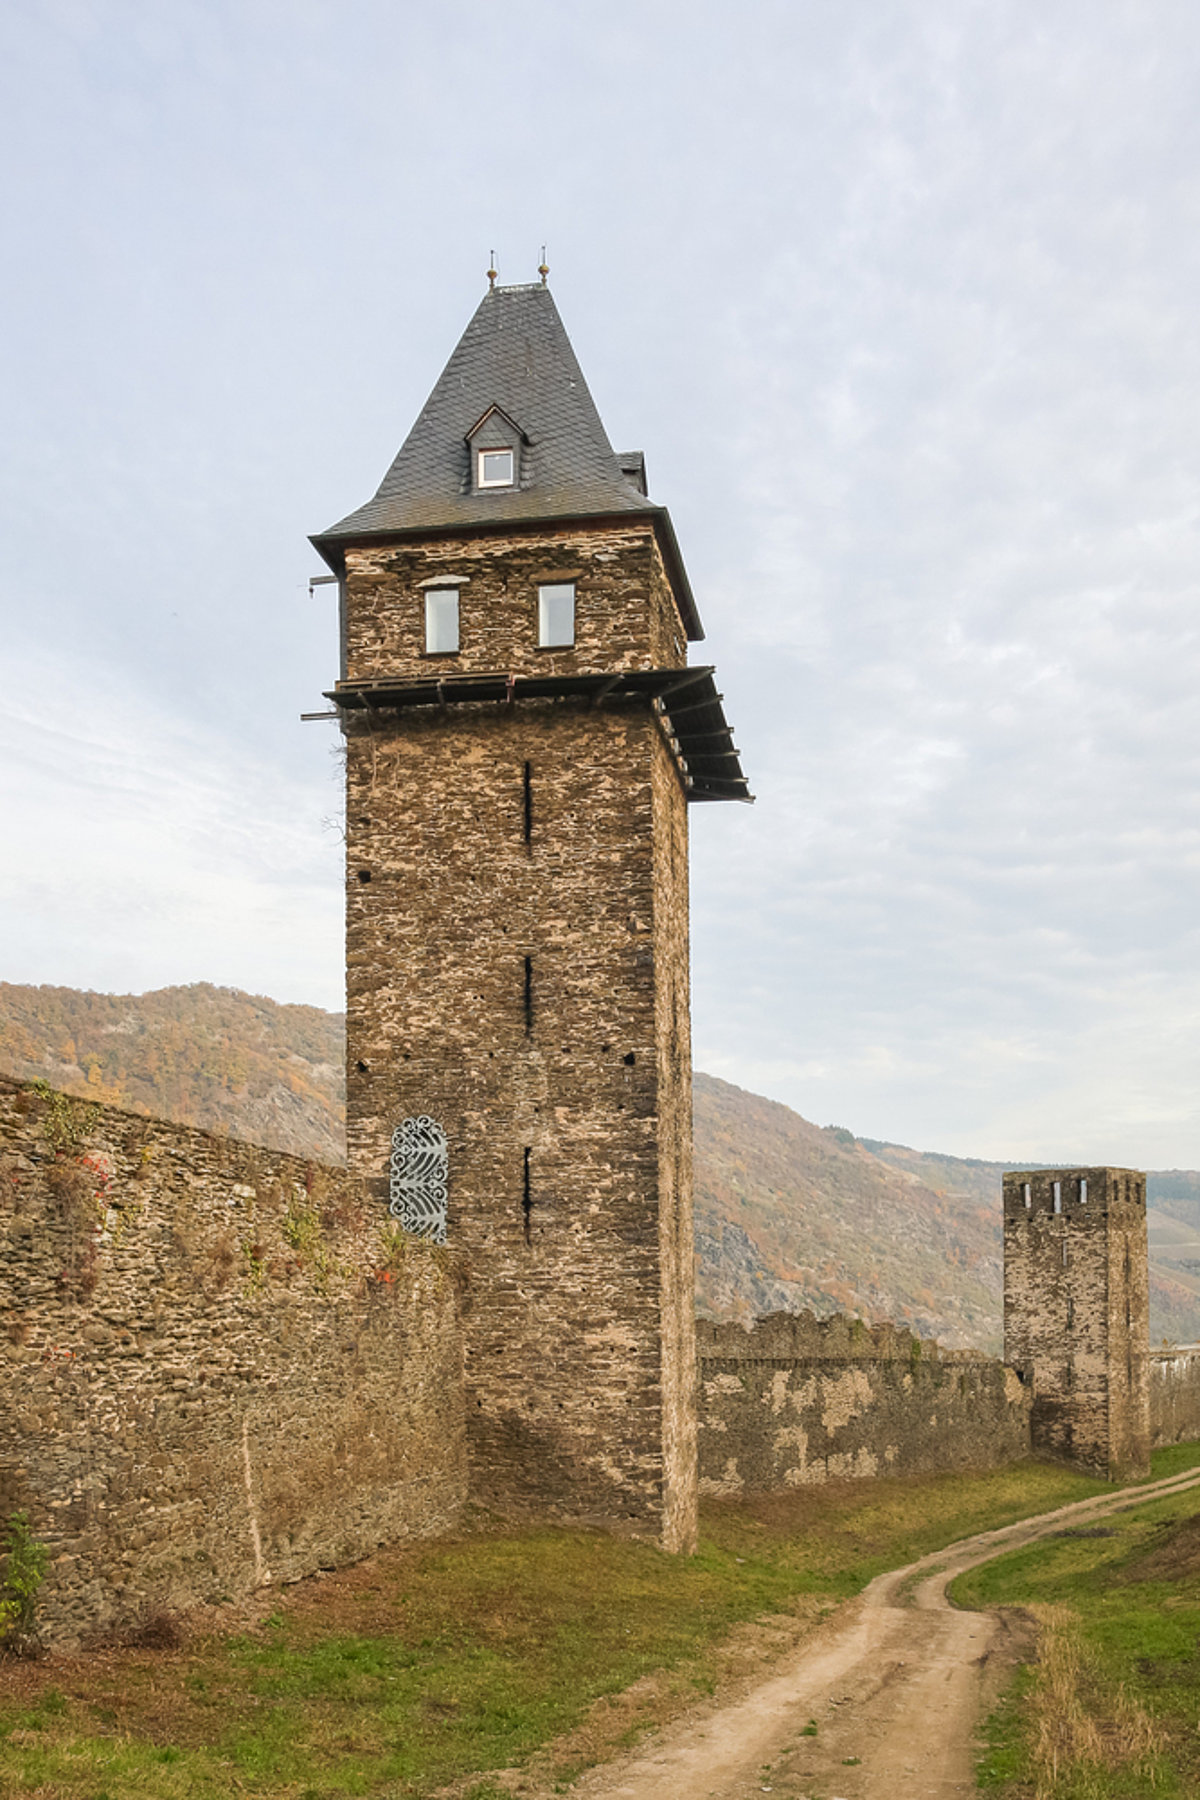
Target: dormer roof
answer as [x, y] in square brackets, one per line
[485, 418]
[514, 358]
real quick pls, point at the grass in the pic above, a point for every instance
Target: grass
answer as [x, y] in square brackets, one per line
[435, 1662]
[1109, 1710]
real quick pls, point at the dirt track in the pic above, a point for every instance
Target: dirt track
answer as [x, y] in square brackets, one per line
[894, 1682]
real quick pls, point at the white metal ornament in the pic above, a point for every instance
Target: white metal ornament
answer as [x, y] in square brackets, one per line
[419, 1169]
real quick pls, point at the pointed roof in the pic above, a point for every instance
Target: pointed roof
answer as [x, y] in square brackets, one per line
[514, 356]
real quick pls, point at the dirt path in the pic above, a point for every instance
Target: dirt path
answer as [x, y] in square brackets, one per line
[894, 1683]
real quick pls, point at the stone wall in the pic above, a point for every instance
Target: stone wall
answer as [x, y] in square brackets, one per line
[794, 1401]
[220, 1367]
[1175, 1396]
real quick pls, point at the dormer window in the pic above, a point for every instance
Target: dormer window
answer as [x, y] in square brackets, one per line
[494, 446]
[496, 468]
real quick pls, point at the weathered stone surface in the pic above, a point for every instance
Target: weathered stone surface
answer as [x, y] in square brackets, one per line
[794, 1401]
[219, 1366]
[517, 957]
[1076, 1312]
[1174, 1396]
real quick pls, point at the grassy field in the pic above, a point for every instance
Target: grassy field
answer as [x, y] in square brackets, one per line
[428, 1664]
[1111, 1709]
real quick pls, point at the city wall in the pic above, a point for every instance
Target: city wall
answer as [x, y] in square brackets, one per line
[223, 1367]
[794, 1401]
[219, 1366]
[1175, 1396]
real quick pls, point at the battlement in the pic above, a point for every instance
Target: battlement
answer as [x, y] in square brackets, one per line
[1077, 1194]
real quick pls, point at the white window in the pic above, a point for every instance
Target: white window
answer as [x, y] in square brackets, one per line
[496, 468]
[1028, 1196]
[1058, 1196]
[441, 621]
[556, 615]
[1083, 1190]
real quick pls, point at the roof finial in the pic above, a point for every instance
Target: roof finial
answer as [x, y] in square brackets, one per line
[492, 272]
[543, 269]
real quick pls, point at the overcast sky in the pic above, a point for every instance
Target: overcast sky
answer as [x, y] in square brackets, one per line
[900, 299]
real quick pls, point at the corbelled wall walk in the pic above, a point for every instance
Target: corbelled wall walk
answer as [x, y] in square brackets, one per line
[794, 1401]
[219, 1366]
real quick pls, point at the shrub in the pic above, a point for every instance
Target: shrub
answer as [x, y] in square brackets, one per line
[25, 1562]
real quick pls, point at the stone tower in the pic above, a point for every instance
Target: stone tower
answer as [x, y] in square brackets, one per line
[523, 735]
[1076, 1312]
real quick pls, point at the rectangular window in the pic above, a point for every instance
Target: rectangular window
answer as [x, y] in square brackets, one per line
[1028, 1196]
[1058, 1196]
[1083, 1190]
[496, 468]
[441, 621]
[556, 615]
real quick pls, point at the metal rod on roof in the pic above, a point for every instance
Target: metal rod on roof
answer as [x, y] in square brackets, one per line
[691, 676]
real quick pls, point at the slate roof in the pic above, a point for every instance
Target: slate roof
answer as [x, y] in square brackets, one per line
[515, 354]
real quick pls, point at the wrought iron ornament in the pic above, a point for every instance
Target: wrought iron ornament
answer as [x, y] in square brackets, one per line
[418, 1177]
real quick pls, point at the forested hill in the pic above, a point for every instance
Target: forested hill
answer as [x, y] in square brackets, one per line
[202, 1055]
[793, 1215]
[788, 1214]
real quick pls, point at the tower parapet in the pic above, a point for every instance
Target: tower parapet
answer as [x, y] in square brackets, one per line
[1076, 1312]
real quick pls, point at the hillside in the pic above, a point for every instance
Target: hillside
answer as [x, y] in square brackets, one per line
[792, 1215]
[788, 1214]
[202, 1055]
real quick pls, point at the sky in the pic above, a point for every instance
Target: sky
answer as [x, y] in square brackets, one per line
[900, 299]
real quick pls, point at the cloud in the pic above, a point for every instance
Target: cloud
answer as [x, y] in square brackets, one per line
[142, 850]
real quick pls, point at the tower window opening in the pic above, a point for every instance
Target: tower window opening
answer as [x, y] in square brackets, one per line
[527, 1198]
[441, 621]
[1064, 1253]
[1070, 1313]
[1058, 1196]
[528, 996]
[495, 468]
[527, 813]
[1028, 1196]
[556, 615]
[1083, 1190]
